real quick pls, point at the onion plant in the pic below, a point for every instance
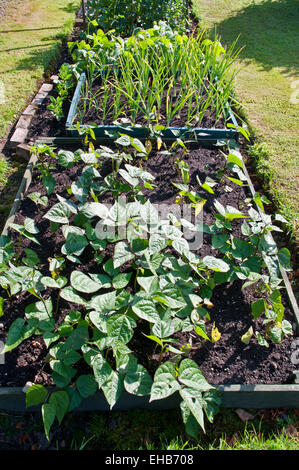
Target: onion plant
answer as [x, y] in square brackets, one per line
[157, 74]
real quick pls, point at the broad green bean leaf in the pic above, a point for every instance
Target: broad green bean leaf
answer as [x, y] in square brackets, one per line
[75, 244]
[69, 294]
[149, 214]
[60, 381]
[66, 158]
[123, 140]
[75, 398]
[138, 381]
[71, 357]
[276, 334]
[218, 241]
[35, 395]
[242, 249]
[123, 299]
[86, 385]
[99, 320]
[59, 213]
[284, 257]
[40, 310]
[6, 249]
[48, 414]
[247, 336]
[165, 383]
[77, 338]
[172, 296]
[73, 316]
[89, 158]
[245, 229]
[232, 213]
[146, 310]
[66, 371]
[70, 205]
[180, 245]
[101, 279]
[50, 337]
[258, 307]
[267, 245]
[122, 254]
[60, 400]
[58, 283]
[200, 330]
[273, 267]
[164, 326]
[286, 327]
[20, 229]
[191, 424]
[38, 199]
[83, 283]
[261, 340]
[121, 280]
[171, 232]
[120, 328]
[113, 388]
[231, 158]
[195, 403]
[215, 264]
[128, 178]
[254, 263]
[101, 369]
[150, 283]
[108, 267]
[30, 226]
[49, 183]
[91, 209]
[212, 401]
[125, 362]
[104, 303]
[31, 258]
[191, 376]
[219, 208]
[79, 191]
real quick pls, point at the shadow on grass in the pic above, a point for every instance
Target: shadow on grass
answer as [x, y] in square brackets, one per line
[268, 33]
[71, 7]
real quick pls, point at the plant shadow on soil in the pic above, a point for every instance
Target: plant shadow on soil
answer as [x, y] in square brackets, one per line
[268, 33]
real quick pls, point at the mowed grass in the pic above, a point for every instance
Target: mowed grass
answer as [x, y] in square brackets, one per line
[267, 85]
[30, 36]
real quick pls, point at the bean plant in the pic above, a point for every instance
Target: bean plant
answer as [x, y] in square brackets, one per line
[152, 286]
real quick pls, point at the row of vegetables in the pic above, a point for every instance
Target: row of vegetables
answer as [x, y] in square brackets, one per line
[122, 279]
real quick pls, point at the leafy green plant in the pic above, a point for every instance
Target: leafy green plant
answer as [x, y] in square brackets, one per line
[188, 72]
[151, 286]
[124, 17]
[64, 85]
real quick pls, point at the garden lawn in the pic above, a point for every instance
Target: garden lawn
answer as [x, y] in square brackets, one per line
[30, 35]
[267, 86]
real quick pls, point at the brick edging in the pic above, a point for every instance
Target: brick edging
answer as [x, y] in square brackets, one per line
[18, 139]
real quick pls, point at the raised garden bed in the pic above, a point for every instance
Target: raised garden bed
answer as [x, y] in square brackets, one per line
[207, 134]
[100, 287]
[247, 375]
[203, 114]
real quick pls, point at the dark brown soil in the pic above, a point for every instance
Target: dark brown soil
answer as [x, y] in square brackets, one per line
[227, 361]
